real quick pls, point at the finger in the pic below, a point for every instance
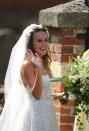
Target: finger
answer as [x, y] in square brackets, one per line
[30, 52]
[27, 54]
[30, 56]
[61, 94]
[37, 55]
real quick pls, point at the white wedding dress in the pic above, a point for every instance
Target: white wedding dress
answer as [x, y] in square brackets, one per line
[35, 115]
[41, 115]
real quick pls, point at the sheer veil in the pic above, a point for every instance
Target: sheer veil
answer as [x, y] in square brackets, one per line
[16, 100]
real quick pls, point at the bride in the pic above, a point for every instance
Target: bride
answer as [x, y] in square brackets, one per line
[83, 117]
[28, 101]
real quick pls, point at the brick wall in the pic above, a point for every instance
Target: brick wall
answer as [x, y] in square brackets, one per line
[64, 44]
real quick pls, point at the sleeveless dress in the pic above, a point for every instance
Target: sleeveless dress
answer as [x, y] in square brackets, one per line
[41, 115]
[26, 113]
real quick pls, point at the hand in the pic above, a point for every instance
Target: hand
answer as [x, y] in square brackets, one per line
[35, 59]
[58, 95]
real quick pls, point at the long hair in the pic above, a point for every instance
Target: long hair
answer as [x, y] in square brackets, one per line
[46, 58]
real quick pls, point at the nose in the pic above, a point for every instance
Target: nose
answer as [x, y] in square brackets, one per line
[45, 42]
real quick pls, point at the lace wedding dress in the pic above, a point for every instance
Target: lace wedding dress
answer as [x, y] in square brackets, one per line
[41, 115]
[36, 115]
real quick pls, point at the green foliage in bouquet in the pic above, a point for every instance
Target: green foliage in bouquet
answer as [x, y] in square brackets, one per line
[76, 85]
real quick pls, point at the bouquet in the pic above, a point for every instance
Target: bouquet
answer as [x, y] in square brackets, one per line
[76, 85]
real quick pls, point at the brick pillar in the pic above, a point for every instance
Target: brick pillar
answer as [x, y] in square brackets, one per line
[64, 22]
[65, 45]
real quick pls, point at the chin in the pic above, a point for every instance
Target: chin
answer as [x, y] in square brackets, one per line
[42, 54]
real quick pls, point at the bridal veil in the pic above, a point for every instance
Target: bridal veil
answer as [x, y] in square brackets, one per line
[16, 100]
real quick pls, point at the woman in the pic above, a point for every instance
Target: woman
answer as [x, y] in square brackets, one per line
[28, 102]
[82, 115]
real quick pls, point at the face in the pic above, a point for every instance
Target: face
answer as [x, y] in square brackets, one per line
[40, 42]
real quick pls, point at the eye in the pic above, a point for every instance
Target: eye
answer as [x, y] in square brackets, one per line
[39, 40]
[47, 40]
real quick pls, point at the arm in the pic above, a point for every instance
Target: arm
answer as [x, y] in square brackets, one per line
[33, 78]
[57, 95]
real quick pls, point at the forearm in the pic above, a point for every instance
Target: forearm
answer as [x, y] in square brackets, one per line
[57, 95]
[37, 87]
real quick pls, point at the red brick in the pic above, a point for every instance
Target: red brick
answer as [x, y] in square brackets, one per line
[68, 32]
[61, 57]
[66, 119]
[72, 41]
[58, 85]
[57, 103]
[66, 128]
[62, 87]
[71, 102]
[65, 58]
[67, 49]
[64, 110]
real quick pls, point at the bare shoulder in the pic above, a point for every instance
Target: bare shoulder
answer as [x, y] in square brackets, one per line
[27, 72]
[27, 65]
[27, 69]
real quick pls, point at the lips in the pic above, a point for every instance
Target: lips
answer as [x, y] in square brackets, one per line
[43, 49]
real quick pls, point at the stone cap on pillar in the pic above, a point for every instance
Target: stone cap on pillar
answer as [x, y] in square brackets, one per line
[71, 14]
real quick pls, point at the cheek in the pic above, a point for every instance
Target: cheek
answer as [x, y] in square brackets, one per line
[36, 47]
[47, 45]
